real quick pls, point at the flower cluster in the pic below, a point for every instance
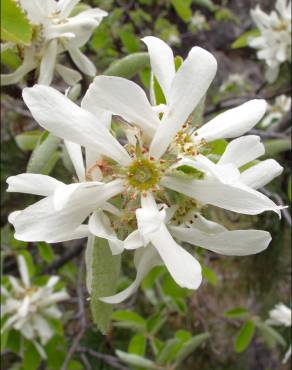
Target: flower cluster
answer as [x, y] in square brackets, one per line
[55, 32]
[148, 188]
[28, 308]
[274, 42]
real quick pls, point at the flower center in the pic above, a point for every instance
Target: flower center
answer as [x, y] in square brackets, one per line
[143, 174]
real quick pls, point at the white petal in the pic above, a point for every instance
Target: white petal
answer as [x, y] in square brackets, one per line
[31, 183]
[41, 222]
[52, 281]
[23, 271]
[42, 327]
[242, 150]
[182, 266]
[66, 6]
[124, 98]
[162, 62]
[65, 119]
[232, 243]
[69, 75]
[80, 232]
[261, 174]
[148, 260]
[75, 154]
[37, 10]
[227, 196]
[90, 103]
[48, 63]
[40, 350]
[28, 65]
[188, 87]
[99, 225]
[82, 62]
[133, 240]
[24, 308]
[233, 122]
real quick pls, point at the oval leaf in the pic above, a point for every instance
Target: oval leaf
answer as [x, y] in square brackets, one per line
[128, 66]
[244, 336]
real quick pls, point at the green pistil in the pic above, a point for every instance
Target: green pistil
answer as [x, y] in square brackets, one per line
[143, 174]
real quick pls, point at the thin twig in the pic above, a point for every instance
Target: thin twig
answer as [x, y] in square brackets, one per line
[111, 360]
[71, 253]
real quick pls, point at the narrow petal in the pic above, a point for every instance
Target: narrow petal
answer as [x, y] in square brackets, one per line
[162, 62]
[261, 174]
[188, 87]
[230, 243]
[234, 198]
[232, 123]
[23, 271]
[48, 63]
[37, 10]
[242, 150]
[75, 154]
[82, 62]
[182, 266]
[124, 98]
[41, 221]
[62, 117]
[99, 225]
[69, 75]
[147, 261]
[31, 183]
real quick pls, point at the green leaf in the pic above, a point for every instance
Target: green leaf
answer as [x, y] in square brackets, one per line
[242, 41]
[270, 335]
[155, 322]
[182, 8]
[28, 140]
[197, 115]
[75, 365]
[137, 345]
[244, 337]
[129, 40]
[136, 360]
[169, 351]
[236, 313]
[32, 358]
[218, 146]
[29, 262]
[276, 146]
[152, 276]
[44, 157]
[210, 275]
[128, 66]
[45, 251]
[183, 335]
[10, 58]
[129, 319]
[15, 26]
[189, 346]
[105, 269]
[206, 3]
[170, 288]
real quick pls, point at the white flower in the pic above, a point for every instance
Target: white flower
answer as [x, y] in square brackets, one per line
[55, 32]
[277, 111]
[198, 21]
[274, 43]
[280, 315]
[28, 307]
[147, 166]
[233, 80]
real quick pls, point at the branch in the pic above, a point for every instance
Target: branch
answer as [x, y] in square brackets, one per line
[111, 360]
